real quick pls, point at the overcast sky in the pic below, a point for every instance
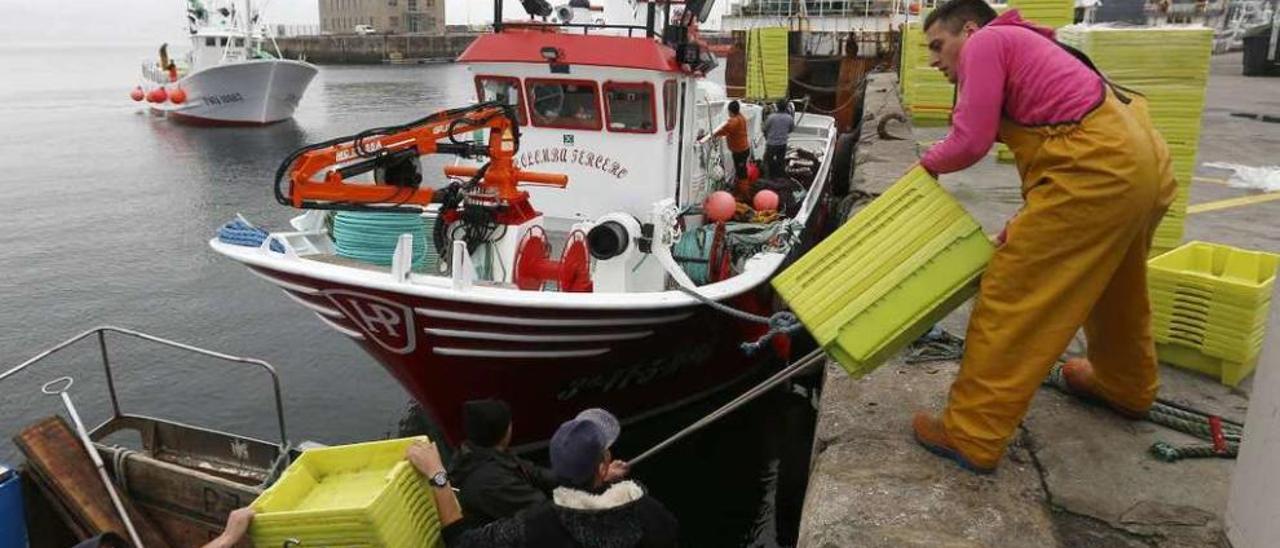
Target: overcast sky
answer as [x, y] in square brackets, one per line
[146, 21]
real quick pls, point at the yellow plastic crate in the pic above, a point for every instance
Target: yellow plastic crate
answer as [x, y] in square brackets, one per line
[364, 494]
[880, 281]
[1220, 271]
[1227, 372]
[1210, 305]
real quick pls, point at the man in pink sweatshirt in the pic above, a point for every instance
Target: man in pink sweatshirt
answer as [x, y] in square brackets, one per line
[1096, 180]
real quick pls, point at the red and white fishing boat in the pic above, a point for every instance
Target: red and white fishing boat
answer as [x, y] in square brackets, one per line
[564, 295]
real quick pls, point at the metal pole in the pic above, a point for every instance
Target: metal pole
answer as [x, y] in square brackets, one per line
[106, 367]
[754, 392]
[51, 389]
[648, 27]
[497, 15]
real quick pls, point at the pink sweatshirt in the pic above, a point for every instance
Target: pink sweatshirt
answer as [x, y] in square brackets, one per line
[1011, 67]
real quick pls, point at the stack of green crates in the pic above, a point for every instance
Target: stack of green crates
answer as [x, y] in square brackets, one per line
[889, 273]
[1170, 66]
[927, 96]
[365, 494]
[768, 63]
[1049, 13]
[1209, 307]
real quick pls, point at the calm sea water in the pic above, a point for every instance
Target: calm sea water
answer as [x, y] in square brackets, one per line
[105, 216]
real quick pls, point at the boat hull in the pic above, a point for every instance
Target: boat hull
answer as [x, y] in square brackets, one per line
[249, 93]
[547, 364]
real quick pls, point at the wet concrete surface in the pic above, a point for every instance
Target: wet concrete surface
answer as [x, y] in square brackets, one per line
[1077, 474]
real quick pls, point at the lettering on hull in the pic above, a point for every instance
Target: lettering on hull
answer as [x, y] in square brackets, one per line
[572, 156]
[386, 322]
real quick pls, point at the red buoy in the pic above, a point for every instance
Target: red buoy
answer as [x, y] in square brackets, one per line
[157, 95]
[137, 94]
[178, 96]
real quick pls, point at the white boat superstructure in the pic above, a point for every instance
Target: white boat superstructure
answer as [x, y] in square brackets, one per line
[234, 74]
[588, 286]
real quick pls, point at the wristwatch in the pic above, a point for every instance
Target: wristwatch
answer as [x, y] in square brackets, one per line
[440, 479]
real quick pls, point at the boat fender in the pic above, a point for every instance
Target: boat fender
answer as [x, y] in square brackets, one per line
[178, 96]
[607, 240]
[137, 94]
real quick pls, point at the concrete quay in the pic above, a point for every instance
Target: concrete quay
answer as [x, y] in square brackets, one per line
[1077, 474]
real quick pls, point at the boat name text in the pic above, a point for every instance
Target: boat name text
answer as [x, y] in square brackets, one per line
[563, 155]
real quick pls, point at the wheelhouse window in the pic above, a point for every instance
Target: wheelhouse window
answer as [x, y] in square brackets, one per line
[210, 41]
[567, 104]
[630, 107]
[503, 90]
[669, 103]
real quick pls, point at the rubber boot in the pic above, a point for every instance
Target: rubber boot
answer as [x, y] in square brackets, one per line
[931, 435]
[1078, 374]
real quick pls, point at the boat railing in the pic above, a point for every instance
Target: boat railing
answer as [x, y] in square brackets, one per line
[586, 27]
[193, 446]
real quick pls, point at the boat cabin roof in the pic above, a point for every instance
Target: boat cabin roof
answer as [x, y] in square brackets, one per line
[527, 45]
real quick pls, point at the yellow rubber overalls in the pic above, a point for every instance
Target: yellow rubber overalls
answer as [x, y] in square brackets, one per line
[1076, 254]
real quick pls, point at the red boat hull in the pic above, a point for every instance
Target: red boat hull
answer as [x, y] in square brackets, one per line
[547, 364]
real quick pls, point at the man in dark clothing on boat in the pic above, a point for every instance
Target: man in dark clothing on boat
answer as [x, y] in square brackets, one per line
[777, 131]
[492, 483]
[590, 508]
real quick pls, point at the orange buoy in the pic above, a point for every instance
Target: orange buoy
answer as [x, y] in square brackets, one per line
[157, 95]
[137, 94]
[914, 8]
[719, 206]
[178, 96]
[765, 200]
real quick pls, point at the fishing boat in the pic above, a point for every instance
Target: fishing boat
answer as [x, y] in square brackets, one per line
[234, 73]
[598, 280]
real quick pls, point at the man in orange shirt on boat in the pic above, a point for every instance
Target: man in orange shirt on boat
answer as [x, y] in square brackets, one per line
[734, 130]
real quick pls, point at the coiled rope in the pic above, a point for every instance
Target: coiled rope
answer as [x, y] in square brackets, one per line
[372, 237]
[241, 232]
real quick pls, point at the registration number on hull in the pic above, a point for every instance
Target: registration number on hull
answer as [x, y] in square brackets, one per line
[224, 99]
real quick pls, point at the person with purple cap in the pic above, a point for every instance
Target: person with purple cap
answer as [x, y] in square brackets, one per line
[592, 507]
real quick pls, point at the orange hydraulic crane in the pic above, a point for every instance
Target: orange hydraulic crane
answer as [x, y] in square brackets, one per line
[318, 175]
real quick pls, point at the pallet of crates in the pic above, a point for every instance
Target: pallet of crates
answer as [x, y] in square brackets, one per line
[366, 494]
[1210, 305]
[888, 274]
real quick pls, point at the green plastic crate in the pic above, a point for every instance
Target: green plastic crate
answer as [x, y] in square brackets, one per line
[364, 494]
[893, 270]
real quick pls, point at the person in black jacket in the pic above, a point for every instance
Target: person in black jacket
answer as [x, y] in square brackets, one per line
[492, 483]
[587, 510]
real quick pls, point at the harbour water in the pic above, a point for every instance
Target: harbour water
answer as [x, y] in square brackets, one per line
[107, 211]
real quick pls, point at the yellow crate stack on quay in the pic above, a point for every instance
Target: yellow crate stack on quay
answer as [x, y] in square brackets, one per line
[1170, 66]
[1210, 305]
[1050, 13]
[927, 96]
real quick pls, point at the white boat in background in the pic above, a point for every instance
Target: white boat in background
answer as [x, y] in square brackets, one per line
[229, 77]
